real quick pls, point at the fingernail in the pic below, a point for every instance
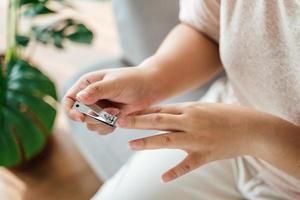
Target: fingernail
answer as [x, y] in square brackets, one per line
[168, 177]
[82, 95]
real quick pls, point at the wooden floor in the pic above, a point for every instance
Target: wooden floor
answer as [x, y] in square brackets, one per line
[61, 173]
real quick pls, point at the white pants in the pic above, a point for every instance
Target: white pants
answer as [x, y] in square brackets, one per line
[140, 179]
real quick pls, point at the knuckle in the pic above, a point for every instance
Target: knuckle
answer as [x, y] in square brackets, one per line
[166, 140]
[132, 122]
[174, 173]
[157, 109]
[143, 143]
[83, 82]
[98, 88]
[93, 89]
[85, 78]
[156, 119]
[185, 167]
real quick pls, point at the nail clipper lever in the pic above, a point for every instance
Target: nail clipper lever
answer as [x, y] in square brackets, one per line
[101, 116]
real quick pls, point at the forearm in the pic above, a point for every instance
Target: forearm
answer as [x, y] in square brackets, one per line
[277, 141]
[186, 59]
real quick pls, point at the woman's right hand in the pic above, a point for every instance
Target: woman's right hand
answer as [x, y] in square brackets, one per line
[121, 91]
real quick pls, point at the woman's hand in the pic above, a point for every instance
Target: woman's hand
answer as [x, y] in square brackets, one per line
[120, 91]
[207, 132]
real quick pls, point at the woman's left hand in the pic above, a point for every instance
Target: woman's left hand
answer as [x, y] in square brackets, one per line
[207, 132]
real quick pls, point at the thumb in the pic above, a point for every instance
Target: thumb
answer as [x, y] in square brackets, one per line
[97, 91]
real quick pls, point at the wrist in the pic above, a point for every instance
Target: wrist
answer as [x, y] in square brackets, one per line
[277, 137]
[270, 136]
[156, 79]
[279, 144]
[253, 132]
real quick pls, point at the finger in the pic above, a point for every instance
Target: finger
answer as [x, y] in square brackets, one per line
[72, 114]
[76, 116]
[191, 162]
[97, 91]
[129, 109]
[173, 140]
[101, 129]
[81, 84]
[93, 122]
[170, 109]
[157, 121]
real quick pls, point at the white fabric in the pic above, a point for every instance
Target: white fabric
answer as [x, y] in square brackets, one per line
[259, 45]
[259, 42]
[139, 179]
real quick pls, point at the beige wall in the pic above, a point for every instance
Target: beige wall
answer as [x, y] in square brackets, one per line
[61, 65]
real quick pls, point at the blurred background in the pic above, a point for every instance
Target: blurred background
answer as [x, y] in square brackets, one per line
[61, 172]
[48, 156]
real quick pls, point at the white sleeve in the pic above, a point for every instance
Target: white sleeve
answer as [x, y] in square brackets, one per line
[203, 15]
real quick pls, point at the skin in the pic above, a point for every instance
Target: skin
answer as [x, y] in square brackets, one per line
[206, 132]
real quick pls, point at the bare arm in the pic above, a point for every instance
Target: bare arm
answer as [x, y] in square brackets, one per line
[185, 59]
[218, 131]
[277, 142]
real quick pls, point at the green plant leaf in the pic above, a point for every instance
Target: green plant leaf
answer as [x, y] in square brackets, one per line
[38, 9]
[22, 40]
[9, 152]
[28, 138]
[66, 29]
[81, 35]
[24, 2]
[26, 117]
[58, 39]
[2, 86]
[42, 34]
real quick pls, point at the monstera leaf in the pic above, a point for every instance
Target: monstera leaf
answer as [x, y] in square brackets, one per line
[26, 113]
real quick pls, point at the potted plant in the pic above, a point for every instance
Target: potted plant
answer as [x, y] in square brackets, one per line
[27, 96]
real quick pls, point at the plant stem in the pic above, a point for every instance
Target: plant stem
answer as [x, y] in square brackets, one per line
[2, 97]
[12, 49]
[12, 30]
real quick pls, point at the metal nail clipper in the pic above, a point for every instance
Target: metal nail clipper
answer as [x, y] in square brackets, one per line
[96, 113]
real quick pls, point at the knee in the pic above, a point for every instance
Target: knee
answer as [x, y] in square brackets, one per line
[128, 194]
[117, 190]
